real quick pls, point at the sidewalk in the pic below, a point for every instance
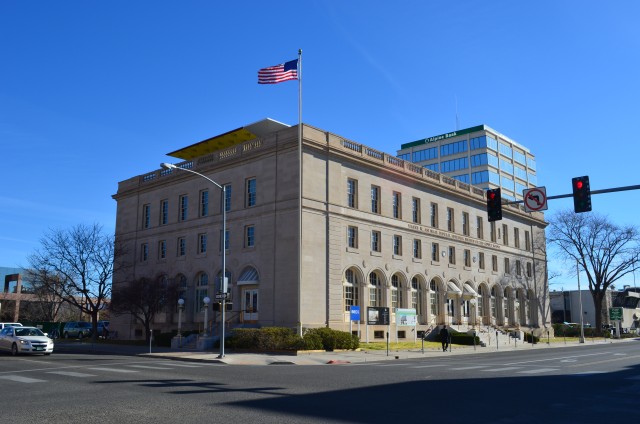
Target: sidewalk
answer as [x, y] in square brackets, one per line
[306, 358]
[350, 357]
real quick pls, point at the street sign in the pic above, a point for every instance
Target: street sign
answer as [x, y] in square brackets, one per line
[535, 199]
[377, 315]
[354, 313]
[221, 296]
[615, 314]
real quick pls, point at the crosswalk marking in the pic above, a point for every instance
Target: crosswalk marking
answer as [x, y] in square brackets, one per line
[21, 379]
[148, 367]
[71, 373]
[537, 371]
[501, 369]
[113, 369]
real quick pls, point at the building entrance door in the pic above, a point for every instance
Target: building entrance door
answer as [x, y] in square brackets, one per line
[250, 305]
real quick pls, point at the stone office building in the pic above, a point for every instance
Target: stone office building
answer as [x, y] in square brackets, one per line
[377, 231]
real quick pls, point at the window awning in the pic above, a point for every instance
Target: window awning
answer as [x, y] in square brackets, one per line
[469, 292]
[249, 276]
[452, 289]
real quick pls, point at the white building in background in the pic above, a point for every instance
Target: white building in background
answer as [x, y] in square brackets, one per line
[377, 231]
[480, 156]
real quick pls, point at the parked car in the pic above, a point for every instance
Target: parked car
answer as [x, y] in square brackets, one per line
[103, 329]
[77, 329]
[9, 324]
[21, 339]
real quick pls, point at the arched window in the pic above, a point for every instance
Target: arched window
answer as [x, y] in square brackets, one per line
[396, 292]
[481, 295]
[202, 290]
[433, 298]
[493, 302]
[350, 290]
[416, 295]
[374, 289]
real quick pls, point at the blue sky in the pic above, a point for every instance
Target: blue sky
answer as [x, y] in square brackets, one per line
[95, 92]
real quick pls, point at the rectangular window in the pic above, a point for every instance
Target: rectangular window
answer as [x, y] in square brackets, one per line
[529, 270]
[164, 212]
[184, 203]
[507, 266]
[162, 249]
[375, 241]
[434, 215]
[480, 228]
[450, 220]
[452, 255]
[481, 260]
[144, 252]
[516, 237]
[227, 198]
[505, 234]
[435, 252]
[224, 240]
[397, 245]
[527, 241]
[204, 203]
[397, 205]
[350, 297]
[494, 263]
[465, 223]
[493, 231]
[352, 193]
[182, 246]
[352, 237]
[250, 199]
[249, 236]
[202, 243]
[375, 199]
[416, 210]
[518, 268]
[146, 216]
[417, 248]
[467, 257]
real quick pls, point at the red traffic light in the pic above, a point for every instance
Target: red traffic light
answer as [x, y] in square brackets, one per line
[579, 185]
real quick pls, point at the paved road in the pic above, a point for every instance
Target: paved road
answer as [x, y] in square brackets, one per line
[588, 383]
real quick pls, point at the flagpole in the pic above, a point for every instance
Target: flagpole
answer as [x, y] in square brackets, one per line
[300, 190]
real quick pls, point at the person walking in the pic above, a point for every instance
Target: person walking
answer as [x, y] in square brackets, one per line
[444, 338]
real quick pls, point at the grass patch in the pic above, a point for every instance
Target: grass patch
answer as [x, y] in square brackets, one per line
[400, 345]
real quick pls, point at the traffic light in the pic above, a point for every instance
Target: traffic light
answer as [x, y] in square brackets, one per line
[494, 204]
[581, 194]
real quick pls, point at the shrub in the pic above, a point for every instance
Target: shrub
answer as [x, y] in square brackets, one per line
[528, 337]
[464, 339]
[333, 339]
[268, 338]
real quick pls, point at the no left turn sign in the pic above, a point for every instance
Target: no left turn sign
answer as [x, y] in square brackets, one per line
[535, 199]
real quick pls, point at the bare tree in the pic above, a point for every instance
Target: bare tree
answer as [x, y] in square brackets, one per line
[144, 299]
[76, 265]
[48, 305]
[604, 251]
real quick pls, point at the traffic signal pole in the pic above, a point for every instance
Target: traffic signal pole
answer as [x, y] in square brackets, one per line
[561, 196]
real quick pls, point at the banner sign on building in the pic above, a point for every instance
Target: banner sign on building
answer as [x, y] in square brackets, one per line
[406, 317]
[377, 315]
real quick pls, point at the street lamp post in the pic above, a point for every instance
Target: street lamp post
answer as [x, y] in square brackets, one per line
[223, 289]
[180, 308]
[206, 301]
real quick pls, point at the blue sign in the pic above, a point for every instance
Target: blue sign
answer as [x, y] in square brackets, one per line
[355, 313]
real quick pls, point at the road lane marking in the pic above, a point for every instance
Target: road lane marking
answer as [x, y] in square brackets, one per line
[588, 373]
[537, 371]
[71, 373]
[502, 369]
[149, 367]
[468, 368]
[21, 379]
[113, 370]
[171, 364]
[560, 358]
[428, 366]
[635, 377]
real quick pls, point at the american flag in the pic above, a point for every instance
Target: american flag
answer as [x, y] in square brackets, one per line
[274, 74]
